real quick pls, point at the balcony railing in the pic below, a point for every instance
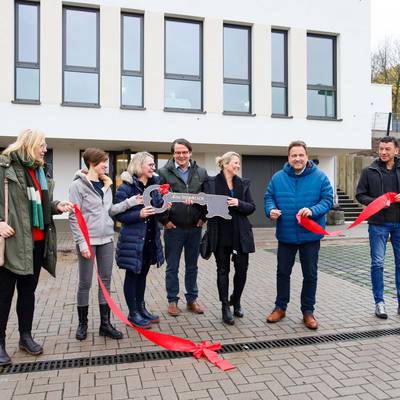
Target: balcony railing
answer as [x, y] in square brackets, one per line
[389, 122]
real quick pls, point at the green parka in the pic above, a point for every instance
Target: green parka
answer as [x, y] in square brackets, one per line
[19, 247]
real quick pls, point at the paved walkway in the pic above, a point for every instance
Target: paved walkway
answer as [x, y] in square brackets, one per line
[363, 369]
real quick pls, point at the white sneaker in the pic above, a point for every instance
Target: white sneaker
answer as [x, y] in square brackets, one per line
[380, 310]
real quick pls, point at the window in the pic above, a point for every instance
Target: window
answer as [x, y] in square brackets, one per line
[237, 69]
[27, 58]
[183, 65]
[279, 73]
[132, 61]
[80, 57]
[321, 76]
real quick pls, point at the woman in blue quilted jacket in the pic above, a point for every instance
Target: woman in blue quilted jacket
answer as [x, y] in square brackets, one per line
[139, 244]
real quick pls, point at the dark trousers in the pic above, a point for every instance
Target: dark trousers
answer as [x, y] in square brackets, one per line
[240, 263]
[26, 286]
[134, 288]
[308, 253]
[176, 240]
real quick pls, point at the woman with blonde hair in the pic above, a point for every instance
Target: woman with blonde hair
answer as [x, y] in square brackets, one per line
[30, 233]
[231, 238]
[139, 244]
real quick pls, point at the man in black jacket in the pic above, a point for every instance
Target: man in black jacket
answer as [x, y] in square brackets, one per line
[182, 225]
[382, 176]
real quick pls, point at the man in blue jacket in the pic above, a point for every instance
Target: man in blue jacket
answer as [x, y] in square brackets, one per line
[299, 188]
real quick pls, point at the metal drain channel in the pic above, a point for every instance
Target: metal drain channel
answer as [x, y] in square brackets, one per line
[51, 365]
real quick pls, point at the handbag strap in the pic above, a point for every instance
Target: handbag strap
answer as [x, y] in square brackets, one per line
[6, 200]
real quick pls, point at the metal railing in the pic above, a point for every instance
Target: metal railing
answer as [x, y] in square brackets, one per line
[389, 122]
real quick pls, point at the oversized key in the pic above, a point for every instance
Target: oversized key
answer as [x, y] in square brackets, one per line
[217, 205]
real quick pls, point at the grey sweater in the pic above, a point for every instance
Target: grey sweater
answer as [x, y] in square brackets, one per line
[95, 210]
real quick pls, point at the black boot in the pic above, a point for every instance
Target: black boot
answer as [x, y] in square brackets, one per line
[106, 329]
[227, 316]
[81, 331]
[153, 318]
[237, 308]
[27, 343]
[4, 357]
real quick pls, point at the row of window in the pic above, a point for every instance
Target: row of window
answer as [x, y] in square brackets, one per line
[183, 63]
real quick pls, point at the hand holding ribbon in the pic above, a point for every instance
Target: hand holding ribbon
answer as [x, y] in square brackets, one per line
[375, 206]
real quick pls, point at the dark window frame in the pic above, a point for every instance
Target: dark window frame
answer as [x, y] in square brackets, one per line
[242, 82]
[20, 64]
[81, 69]
[185, 77]
[128, 72]
[285, 83]
[332, 88]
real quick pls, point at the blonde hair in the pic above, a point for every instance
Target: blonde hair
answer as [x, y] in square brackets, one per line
[225, 159]
[25, 145]
[137, 160]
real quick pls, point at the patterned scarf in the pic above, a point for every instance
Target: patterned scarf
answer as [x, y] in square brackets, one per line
[40, 205]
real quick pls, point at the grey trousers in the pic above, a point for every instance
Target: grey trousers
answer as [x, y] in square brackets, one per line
[104, 255]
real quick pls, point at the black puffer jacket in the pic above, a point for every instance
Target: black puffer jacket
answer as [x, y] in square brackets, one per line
[370, 186]
[182, 215]
[243, 239]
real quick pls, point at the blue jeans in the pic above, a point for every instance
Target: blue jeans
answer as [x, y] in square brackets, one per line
[175, 241]
[378, 237]
[309, 262]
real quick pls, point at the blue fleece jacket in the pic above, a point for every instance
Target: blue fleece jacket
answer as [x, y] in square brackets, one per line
[289, 193]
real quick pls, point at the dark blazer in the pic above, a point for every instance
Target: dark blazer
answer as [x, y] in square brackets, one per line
[243, 239]
[370, 186]
[129, 252]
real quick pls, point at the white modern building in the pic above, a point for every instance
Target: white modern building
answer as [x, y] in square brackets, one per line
[129, 75]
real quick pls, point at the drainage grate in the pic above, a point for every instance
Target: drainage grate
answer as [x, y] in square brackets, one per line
[169, 355]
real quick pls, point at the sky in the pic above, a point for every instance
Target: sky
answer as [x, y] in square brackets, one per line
[385, 21]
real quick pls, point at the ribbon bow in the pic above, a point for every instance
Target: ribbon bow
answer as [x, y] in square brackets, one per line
[164, 188]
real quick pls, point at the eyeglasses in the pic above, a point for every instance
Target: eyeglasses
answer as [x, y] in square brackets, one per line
[181, 153]
[43, 146]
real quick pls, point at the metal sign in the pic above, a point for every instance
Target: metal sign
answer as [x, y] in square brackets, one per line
[217, 205]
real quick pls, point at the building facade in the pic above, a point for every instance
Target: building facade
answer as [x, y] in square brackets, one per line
[131, 75]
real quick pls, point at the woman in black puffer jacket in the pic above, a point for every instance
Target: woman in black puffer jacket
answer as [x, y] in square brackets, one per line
[231, 238]
[139, 244]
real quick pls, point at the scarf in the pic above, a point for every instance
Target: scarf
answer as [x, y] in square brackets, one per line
[40, 205]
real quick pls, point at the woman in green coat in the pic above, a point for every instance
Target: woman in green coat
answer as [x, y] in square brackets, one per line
[30, 234]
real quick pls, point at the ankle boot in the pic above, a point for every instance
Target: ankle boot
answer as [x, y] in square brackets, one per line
[27, 343]
[81, 331]
[106, 329]
[137, 319]
[237, 308]
[147, 315]
[4, 357]
[227, 316]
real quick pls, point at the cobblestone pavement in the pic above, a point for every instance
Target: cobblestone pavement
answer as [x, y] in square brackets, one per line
[363, 369]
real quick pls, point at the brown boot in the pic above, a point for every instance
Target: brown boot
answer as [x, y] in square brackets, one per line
[309, 321]
[173, 309]
[276, 315]
[195, 308]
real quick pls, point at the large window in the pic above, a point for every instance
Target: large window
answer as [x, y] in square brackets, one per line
[321, 76]
[27, 58]
[132, 61]
[279, 73]
[80, 57]
[237, 69]
[183, 65]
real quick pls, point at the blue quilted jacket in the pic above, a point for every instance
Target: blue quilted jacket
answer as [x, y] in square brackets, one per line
[289, 193]
[129, 253]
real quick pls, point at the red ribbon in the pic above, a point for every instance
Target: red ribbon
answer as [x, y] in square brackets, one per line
[169, 342]
[164, 188]
[375, 206]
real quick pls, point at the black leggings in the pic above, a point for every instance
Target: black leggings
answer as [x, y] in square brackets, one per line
[26, 286]
[240, 263]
